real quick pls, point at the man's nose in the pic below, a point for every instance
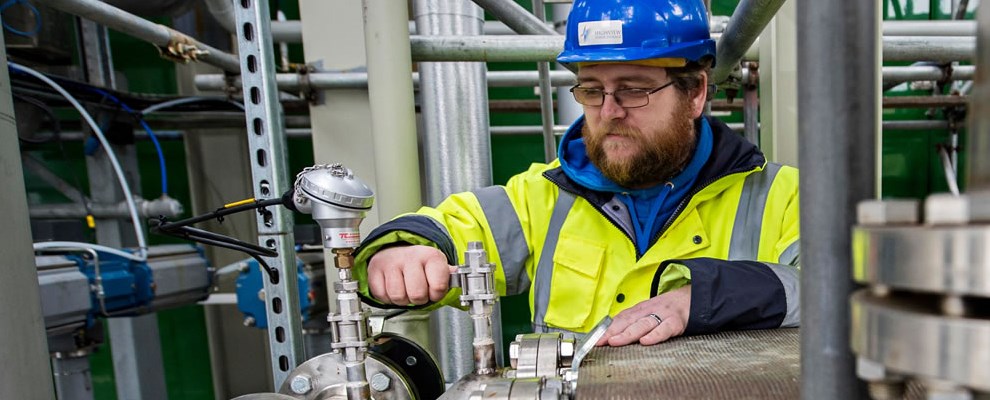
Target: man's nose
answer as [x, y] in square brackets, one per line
[611, 108]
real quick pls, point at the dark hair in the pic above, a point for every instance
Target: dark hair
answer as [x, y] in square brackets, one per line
[687, 79]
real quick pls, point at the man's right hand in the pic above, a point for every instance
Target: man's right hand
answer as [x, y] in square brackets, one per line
[406, 275]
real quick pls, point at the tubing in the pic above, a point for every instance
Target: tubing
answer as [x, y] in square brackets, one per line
[121, 179]
[745, 26]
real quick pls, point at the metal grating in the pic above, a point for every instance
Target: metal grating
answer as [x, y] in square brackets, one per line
[730, 365]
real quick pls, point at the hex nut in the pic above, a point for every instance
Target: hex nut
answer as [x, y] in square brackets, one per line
[380, 382]
[884, 212]
[514, 354]
[300, 384]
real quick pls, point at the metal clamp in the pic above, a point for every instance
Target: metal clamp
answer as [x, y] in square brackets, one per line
[181, 48]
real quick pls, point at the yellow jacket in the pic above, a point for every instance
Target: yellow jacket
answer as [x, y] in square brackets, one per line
[734, 238]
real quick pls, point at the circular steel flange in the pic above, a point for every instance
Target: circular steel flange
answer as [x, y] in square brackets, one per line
[326, 376]
[936, 259]
[909, 335]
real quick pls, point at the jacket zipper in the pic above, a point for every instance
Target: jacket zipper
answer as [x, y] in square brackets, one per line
[687, 199]
[673, 217]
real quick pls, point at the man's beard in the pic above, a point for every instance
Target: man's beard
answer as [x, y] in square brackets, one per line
[660, 155]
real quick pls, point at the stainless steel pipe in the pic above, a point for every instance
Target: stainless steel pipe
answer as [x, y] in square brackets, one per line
[156, 34]
[929, 28]
[745, 26]
[979, 113]
[359, 80]
[516, 17]
[837, 132]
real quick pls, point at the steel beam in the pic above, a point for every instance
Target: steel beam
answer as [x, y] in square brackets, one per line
[269, 171]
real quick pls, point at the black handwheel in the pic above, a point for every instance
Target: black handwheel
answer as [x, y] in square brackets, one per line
[413, 361]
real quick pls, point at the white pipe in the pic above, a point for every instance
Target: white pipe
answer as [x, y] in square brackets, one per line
[124, 187]
[88, 246]
[393, 112]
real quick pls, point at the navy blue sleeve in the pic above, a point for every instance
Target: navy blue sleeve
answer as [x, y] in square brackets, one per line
[416, 224]
[731, 295]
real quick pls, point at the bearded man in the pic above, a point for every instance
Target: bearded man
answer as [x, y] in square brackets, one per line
[653, 214]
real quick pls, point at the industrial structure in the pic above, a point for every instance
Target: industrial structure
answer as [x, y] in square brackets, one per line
[131, 131]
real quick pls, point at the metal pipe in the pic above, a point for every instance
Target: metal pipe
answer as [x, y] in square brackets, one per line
[38, 169]
[359, 80]
[462, 138]
[745, 26]
[837, 132]
[920, 125]
[979, 113]
[546, 96]
[929, 48]
[282, 31]
[929, 28]
[167, 39]
[924, 101]
[393, 109]
[751, 112]
[516, 17]
[913, 73]
[167, 207]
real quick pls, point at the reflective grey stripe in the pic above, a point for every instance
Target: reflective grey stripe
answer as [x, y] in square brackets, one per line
[746, 229]
[544, 269]
[791, 255]
[791, 279]
[508, 234]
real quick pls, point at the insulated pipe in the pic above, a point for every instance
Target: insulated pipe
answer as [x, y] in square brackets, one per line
[745, 26]
[282, 31]
[156, 34]
[979, 113]
[837, 132]
[393, 110]
[516, 17]
[455, 118]
[167, 207]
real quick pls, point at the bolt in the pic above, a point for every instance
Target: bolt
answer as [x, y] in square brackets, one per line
[380, 382]
[243, 267]
[566, 352]
[300, 384]
[249, 322]
[514, 354]
[261, 294]
[410, 361]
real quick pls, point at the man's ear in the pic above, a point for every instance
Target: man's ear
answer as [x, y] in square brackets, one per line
[699, 97]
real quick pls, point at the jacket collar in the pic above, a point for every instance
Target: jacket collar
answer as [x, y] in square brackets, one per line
[730, 153]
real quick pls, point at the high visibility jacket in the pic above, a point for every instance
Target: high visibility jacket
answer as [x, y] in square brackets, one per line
[733, 238]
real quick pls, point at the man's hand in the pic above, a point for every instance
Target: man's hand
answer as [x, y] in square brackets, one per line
[406, 275]
[652, 321]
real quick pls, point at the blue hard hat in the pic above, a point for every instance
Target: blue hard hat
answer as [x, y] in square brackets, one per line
[634, 30]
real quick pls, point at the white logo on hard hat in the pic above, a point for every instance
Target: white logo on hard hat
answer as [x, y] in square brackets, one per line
[599, 32]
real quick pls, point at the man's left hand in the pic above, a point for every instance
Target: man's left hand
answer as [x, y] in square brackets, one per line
[652, 321]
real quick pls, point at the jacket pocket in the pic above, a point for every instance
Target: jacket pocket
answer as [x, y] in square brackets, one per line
[577, 264]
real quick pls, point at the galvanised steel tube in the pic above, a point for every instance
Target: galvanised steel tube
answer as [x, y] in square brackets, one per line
[359, 80]
[455, 118]
[929, 48]
[837, 132]
[282, 31]
[143, 29]
[926, 73]
[486, 48]
[746, 24]
[929, 28]
[516, 17]
[979, 112]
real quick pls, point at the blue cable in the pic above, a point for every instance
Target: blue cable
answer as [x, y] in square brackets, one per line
[34, 10]
[151, 134]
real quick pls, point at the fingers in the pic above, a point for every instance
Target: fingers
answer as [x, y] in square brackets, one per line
[641, 327]
[438, 276]
[408, 275]
[667, 329]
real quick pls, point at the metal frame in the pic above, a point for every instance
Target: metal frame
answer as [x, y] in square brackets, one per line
[266, 141]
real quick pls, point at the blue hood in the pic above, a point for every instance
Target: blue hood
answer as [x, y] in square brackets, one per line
[650, 207]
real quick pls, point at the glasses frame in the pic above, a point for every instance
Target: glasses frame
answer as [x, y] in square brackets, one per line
[619, 91]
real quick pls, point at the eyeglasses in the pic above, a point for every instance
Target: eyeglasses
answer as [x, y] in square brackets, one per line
[626, 98]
